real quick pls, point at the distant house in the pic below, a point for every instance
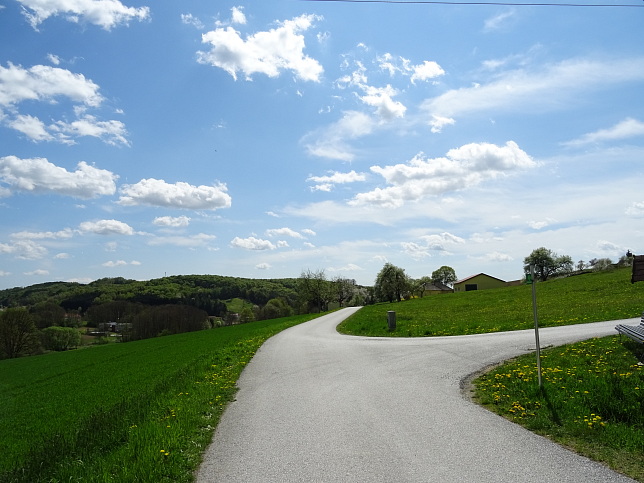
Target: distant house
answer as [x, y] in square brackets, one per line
[480, 281]
[436, 288]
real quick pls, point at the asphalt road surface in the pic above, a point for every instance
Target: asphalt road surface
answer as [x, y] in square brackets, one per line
[317, 406]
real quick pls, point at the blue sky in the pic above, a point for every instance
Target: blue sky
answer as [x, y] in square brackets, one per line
[260, 139]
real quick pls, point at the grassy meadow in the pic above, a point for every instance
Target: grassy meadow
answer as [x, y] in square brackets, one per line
[592, 399]
[590, 297]
[139, 411]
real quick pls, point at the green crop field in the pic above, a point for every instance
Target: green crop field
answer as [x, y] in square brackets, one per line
[591, 297]
[139, 411]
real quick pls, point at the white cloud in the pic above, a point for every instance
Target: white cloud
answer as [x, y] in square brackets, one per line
[117, 263]
[425, 71]
[190, 19]
[628, 128]
[104, 13]
[382, 99]
[4, 274]
[238, 16]
[547, 89]
[431, 243]
[31, 235]
[462, 168]
[62, 256]
[111, 132]
[263, 266]
[54, 59]
[154, 192]
[499, 20]
[172, 221]
[45, 83]
[415, 251]
[37, 273]
[30, 126]
[636, 210]
[106, 227]
[418, 72]
[442, 241]
[538, 225]
[331, 142]
[269, 52]
[39, 176]
[308, 231]
[283, 232]
[24, 250]
[326, 183]
[252, 243]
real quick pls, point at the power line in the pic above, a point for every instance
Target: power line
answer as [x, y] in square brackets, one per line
[512, 4]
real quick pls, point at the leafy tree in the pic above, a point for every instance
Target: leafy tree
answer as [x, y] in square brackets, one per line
[391, 283]
[46, 314]
[246, 315]
[314, 290]
[18, 334]
[547, 263]
[418, 285]
[602, 264]
[60, 338]
[343, 289]
[166, 319]
[445, 275]
[275, 308]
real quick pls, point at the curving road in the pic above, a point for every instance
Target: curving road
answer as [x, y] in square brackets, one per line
[317, 406]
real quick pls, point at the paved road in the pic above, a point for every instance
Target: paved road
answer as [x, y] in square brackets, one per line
[317, 406]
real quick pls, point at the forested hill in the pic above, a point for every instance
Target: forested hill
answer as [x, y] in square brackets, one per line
[198, 290]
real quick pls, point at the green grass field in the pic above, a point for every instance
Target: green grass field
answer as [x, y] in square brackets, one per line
[139, 411]
[592, 399]
[591, 297]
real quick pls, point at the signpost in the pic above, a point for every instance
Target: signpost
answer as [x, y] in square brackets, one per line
[530, 279]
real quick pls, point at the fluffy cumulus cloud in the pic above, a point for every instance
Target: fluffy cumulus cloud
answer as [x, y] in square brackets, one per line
[46, 84]
[39, 176]
[172, 221]
[106, 227]
[24, 250]
[417, 72]
[326, 183]
[461, 168]
[429, 244]
[252, 243]
[269, 52]
[381, 98]
[155, 192]
[104, 13]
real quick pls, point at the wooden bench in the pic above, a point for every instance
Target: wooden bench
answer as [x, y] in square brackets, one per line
[635, 332]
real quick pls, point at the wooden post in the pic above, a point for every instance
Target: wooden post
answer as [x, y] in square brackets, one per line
[638, 269]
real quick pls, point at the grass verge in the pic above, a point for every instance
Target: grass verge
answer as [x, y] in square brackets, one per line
[592, 399]
[591, 297]
[140, 411]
